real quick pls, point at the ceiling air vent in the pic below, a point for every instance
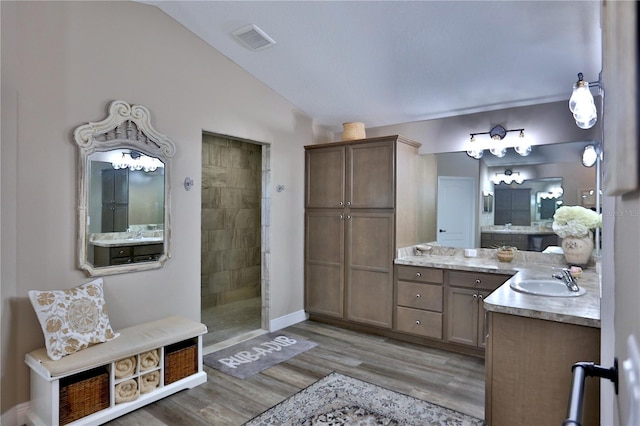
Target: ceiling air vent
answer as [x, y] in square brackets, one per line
[253, 37]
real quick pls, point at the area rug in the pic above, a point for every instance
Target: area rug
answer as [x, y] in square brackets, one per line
[341, 400]
[252, 356]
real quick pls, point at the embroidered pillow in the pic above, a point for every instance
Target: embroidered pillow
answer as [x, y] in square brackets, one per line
[72, 320]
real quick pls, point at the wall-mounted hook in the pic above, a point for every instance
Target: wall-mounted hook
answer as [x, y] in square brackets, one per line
[188, 183]
[280, 188]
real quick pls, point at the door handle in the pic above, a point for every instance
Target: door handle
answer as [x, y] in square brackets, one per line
[442, 230]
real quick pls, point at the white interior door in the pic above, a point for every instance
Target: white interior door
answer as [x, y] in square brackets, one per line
[456, 212]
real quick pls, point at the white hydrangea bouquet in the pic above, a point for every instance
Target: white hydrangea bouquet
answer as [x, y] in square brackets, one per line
[575, 221]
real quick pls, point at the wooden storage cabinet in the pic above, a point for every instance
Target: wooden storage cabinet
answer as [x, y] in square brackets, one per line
[324, 262]
[466, 317]
[352, 227]
[528, 370]
[121, 255]
[419, 303]
[76, 396]
[497, 239]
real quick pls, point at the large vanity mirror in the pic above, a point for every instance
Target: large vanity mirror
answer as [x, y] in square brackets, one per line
[518, 195]
[123, 192]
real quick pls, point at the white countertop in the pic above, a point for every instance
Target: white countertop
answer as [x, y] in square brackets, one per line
[582, 310]
[126, 241]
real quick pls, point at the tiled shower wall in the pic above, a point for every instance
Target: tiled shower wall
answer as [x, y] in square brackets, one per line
[231, 211]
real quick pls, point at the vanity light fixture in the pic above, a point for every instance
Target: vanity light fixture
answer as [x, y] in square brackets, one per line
[137, 161]
[498, 145]
[581, 103]
[508, 177]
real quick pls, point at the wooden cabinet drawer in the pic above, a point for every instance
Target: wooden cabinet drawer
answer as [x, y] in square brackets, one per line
[420, 296]
[147, 249]
[422, 323]
[417, 273]
[476, 280]
[120, 251]
[519, 238]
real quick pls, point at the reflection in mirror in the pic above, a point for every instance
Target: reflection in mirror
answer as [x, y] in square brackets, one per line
[552, 174]
[123, 192]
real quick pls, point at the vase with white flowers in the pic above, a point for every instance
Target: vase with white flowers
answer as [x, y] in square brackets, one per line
[575, 224]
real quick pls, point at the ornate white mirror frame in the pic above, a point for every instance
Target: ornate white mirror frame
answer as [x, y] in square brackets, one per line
[127, 127]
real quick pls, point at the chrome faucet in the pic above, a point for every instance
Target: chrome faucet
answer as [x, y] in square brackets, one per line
[568, 279]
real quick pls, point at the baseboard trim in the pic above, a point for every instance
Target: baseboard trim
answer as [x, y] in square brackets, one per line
[15, 416]
[287, 320]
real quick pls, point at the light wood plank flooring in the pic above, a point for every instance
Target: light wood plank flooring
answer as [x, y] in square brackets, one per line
[449, 379]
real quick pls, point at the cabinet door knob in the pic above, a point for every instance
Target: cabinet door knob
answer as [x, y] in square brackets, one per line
[480, 297]
[418, 322]
[475, 296]
[418, 274]
[341, 203]
[418, 296]
[478, 281]
[348, 203]
[341, 216]
[348, 216]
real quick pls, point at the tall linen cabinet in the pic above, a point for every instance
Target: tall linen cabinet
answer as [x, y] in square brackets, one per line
[361, 201]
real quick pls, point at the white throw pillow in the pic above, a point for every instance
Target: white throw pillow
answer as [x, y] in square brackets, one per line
[74, 319]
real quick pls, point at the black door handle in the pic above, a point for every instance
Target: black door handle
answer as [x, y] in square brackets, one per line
[442, 230]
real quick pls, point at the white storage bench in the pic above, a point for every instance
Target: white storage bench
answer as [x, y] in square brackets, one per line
[145, 363]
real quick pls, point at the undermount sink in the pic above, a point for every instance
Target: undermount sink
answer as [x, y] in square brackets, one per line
[550, 288]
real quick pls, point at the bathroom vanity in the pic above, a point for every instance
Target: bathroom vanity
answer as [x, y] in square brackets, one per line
[531, 340]
[532, 343]
[531, 238]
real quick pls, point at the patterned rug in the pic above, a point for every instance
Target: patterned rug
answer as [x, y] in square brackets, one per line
[254, 355]
[342, 400]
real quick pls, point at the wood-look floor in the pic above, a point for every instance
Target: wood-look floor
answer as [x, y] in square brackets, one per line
[449, 379]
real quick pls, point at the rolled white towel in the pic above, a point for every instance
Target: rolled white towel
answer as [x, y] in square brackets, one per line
[125, 367]
[149, 381]
[127, 391]
[149, 360]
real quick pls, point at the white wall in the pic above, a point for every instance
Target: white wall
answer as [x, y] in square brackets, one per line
[62, 64]
[543, 124]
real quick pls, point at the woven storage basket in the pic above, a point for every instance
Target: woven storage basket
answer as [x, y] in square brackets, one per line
[352, 131]
[505, 255]
[83, 394]
[180, 361]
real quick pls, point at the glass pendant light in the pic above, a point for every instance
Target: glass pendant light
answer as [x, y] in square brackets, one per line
[522, 148]
[581, 104]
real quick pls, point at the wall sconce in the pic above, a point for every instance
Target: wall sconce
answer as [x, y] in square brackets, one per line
[497, 145]
[591, 154]
[508, 177]
[581, 103]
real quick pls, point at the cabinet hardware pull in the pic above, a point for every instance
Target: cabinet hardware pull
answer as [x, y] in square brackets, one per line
[348, 203]
[418, 296]
[348, 216]
[475, 296]
[341, 216]
[418, 322]
[478, 281]
[480, 297]
[418, 274]
[341, 203]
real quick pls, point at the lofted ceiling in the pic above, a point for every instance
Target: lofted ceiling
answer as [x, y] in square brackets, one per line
[390, 62]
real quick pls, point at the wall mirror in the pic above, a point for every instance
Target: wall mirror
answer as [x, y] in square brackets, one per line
[553, 174]
[123, 192]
